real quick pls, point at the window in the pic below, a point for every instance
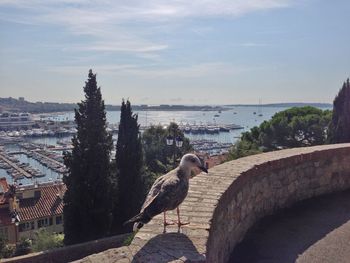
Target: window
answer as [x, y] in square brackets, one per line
[26, 226]
[45, 222]
[58, 220]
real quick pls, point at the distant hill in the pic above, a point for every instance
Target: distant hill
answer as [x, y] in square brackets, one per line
[21, 105]
[285, 105]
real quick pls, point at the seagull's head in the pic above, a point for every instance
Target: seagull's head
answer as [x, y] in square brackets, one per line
[191, 161]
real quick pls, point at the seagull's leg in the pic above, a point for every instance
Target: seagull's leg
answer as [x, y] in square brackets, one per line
[179, 223]
[165, 222]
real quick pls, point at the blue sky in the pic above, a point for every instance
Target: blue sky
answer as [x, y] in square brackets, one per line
[176, 52]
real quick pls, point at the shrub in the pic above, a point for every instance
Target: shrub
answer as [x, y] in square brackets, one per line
[23, 247]
[45, 240]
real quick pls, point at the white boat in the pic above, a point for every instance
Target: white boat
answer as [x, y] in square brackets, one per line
[30, 133]
[37, 132]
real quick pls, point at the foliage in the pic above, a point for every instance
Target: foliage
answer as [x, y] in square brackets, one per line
[86, 210]
[45, 240]
[2, 243]
[340, 125]
[294, 127]
[23, 247]
[158, 155]
[8, 251]
[129, 165]
[129, 239]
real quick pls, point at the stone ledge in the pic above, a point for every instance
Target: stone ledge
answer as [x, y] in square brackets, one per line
[69, 253]
[224, 204]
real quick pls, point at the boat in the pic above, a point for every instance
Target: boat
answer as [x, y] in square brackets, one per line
[216, 115]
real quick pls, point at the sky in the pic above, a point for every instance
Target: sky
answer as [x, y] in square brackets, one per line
[175, 52]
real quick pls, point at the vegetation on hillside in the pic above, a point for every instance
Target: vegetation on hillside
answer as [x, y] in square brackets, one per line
[294, 127]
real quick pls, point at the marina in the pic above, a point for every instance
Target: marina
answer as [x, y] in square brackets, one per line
[34, 154]
[16, 169]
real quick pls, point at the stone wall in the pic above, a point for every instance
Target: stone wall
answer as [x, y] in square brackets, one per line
[69, 253]
[264, 183]
[224, 204]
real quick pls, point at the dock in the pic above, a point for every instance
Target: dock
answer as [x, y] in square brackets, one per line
[50, 159]
[15, 166]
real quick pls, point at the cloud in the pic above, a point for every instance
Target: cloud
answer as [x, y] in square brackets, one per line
[125, 25]
[131, 10]
[152, 72]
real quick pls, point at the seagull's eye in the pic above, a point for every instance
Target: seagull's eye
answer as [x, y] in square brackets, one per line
[193, 160]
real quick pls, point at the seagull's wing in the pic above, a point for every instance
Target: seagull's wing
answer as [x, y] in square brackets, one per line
[164, 198]
[153, 193]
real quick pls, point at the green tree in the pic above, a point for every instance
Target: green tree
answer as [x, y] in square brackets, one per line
[340, 125]
[45, 240]
[294, 127]
[23, 247]
[2, 245]
[87, 205]
[129, 166]
[158, 155]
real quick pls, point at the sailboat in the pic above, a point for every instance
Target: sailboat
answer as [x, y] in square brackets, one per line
[259, 109]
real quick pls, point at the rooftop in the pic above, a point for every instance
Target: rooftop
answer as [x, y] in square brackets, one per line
[47, 203]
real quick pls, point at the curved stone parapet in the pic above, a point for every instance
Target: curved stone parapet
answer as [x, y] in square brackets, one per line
[224, 204]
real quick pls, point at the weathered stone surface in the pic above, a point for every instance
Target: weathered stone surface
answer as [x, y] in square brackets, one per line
[224, 204]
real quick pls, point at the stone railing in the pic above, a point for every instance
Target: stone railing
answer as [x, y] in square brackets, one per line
[69, 253]
[224, 204]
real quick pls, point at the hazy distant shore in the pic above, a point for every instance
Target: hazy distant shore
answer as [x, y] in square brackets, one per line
[21, 105]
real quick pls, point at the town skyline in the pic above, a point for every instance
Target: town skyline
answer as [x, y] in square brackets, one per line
[161, 52]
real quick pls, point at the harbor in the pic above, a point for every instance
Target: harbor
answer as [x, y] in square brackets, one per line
[34, 153]
[26, 163]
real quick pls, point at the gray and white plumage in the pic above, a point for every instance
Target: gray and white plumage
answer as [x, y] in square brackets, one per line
[168, 191]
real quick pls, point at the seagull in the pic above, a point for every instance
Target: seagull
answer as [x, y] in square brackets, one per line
[168, 192]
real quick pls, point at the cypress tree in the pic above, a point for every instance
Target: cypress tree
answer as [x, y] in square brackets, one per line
[87, 206]
[340, 125]
[129, 164]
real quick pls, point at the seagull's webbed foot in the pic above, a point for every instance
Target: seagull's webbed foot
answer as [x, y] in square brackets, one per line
[165, 222]
[179, 223]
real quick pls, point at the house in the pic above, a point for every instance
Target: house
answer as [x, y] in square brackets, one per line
[26, 209]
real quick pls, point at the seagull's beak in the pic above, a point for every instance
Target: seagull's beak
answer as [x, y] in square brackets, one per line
[203, 169]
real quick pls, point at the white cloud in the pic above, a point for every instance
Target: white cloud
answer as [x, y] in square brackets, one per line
[152, 72]
[125, 25]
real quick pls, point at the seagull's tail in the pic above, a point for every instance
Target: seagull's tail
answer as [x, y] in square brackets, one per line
[139, 220]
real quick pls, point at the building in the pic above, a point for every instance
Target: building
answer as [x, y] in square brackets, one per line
[15, 121]
[24, 210]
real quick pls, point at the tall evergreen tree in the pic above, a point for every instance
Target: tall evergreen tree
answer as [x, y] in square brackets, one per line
[87, 206]
[340, 126]
[129, 165]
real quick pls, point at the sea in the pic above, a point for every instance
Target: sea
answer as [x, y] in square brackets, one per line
[241, 115]
[245, 116]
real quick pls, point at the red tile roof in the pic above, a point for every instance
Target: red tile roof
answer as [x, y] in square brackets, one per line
[48, 204]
